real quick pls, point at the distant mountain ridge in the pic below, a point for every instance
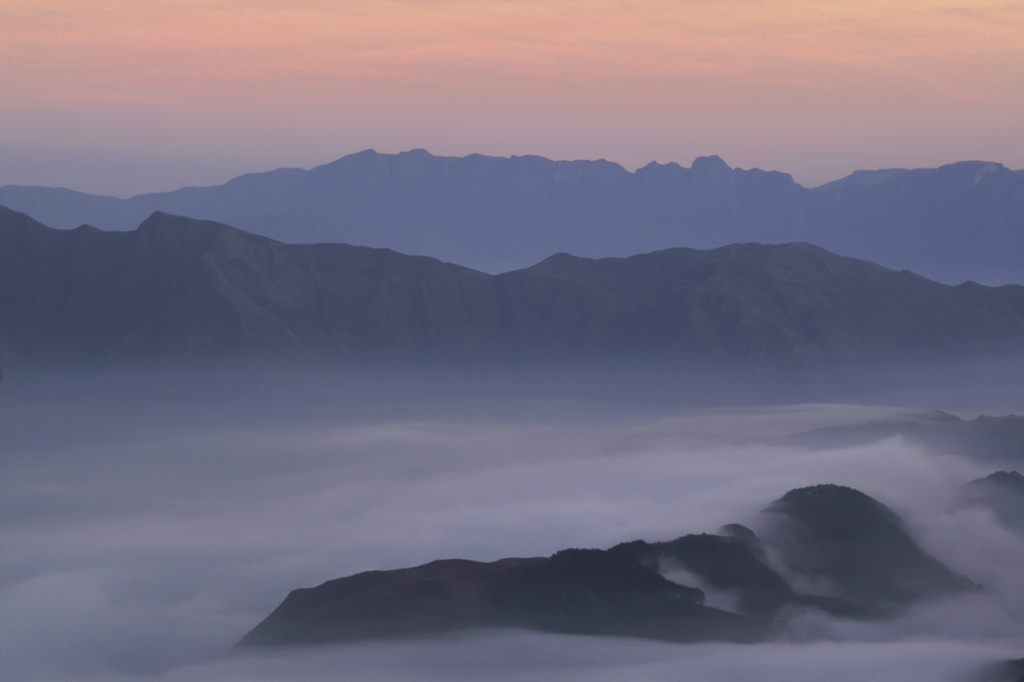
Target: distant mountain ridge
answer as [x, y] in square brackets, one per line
[986, 438]
[185, 290]
[963, 221]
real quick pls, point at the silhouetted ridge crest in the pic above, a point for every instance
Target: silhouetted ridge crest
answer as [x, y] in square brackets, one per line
[199, 291]
[963, 221]
[711, 166]
[580, 591]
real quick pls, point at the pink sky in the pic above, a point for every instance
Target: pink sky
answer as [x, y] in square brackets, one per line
[119, 97]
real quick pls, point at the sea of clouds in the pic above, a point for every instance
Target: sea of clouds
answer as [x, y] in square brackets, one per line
[149, 521]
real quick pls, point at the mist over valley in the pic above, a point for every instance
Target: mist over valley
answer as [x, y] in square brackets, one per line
[152, 518]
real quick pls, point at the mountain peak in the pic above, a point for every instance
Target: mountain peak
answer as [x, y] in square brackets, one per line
[860, 545]
[710, 165]
[976, 166]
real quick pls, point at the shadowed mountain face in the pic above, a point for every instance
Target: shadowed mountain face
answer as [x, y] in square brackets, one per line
[575, 591]
[189, 290]
[721, 562]
[846, 537]
[1002, 492]
[734, 564]
[954, 223]
[859, 546]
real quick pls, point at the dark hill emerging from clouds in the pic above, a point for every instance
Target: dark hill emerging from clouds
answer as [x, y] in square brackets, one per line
[575, 591]
[841, 536]
[958, 222]
[859, 545]
[189, 290]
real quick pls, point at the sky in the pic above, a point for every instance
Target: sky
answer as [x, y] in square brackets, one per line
[121, 96]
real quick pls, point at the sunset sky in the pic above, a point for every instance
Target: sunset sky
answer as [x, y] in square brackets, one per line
[125, 96]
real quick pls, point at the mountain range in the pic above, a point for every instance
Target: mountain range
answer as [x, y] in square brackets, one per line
[181, 289]
[963, 221]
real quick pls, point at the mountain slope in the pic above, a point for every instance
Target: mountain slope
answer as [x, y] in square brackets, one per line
[958, 222]
[629, 589]
[859, 545]
[183, 289]
[574, 591]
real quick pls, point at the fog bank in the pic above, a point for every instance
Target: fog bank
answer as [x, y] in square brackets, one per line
[150, 521]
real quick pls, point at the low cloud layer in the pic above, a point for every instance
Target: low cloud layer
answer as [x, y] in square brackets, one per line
[146, 535]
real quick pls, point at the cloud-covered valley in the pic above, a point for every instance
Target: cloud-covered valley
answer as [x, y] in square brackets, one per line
[146, 530]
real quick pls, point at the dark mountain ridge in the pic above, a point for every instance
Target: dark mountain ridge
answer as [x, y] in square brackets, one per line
[187, 290]
[574, 591]
[958, 222]
[627, 590]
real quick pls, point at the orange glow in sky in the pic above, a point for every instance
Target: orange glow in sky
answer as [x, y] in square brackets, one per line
[208, 89]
